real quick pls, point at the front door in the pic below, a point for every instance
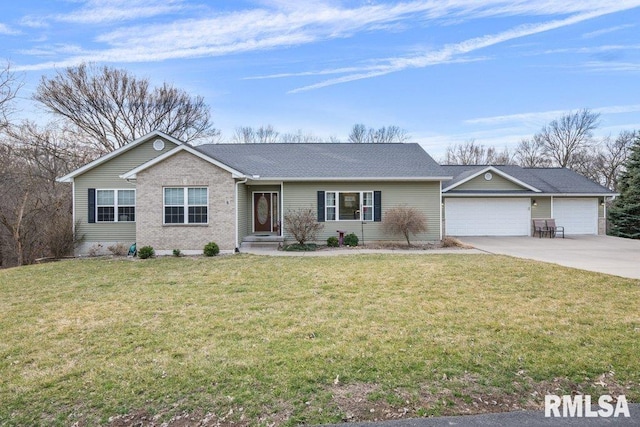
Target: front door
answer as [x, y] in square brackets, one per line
[263, 211]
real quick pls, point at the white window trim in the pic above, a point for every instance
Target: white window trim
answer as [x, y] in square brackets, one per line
[185, 205]
[277, 206]
[337, 205]
[116, 205]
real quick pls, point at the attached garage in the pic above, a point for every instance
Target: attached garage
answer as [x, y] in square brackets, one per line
[577, 216]
[494, 216]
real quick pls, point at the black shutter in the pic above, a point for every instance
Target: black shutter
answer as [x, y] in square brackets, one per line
[377, 206]
[91, 214]
[320, 206]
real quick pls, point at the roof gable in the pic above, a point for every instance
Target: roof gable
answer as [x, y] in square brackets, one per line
[473, 175]
[103, 159]
[560, 181]
[133, 173]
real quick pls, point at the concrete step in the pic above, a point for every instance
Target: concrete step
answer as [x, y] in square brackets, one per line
[268, 245]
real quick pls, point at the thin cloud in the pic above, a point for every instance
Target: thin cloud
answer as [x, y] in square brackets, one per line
[106, 11]
[546, 116]
[593, 49]
[102, 11]
[598, 33]
[350, 70]
[611, 66]
[6, 30]
[449, 52]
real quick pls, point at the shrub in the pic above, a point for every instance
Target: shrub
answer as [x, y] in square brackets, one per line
[296, 247]
[95, 250]
[404, 220]
[351, 240]
[119, 249]
[452, 242]
[302, 224]
[146, 252]
[333, 242]
[211, 249]
[176, 252]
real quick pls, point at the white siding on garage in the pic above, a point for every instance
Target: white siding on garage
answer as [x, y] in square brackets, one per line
[488, 216]
[577, 216]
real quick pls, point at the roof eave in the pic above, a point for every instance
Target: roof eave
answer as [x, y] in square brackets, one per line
[541, 194]
[334, 179]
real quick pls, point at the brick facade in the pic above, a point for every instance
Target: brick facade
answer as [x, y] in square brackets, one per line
[181, 170]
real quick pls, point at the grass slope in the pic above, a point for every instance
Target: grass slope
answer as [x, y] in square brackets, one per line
[261, 340]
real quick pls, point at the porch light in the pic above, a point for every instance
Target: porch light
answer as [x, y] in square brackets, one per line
[533, 202]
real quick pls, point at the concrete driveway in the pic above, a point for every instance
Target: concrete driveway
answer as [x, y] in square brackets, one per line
[603, 254]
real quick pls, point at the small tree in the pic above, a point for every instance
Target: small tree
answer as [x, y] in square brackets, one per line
[404, 220]
[302, 224]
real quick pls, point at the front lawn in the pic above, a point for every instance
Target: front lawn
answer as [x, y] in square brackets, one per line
[291, 340]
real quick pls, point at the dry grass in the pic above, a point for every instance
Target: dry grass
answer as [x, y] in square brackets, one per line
[286, 340]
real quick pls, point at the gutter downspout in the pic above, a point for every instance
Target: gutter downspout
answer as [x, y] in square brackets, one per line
[237, 217]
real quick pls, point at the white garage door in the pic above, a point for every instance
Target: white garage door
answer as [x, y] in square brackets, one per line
[488, 217]
[577, 216]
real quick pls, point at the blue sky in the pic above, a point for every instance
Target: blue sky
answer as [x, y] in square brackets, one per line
[446, 71]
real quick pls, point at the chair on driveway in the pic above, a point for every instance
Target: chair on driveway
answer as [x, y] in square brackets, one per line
[540, 227]
[553, 228]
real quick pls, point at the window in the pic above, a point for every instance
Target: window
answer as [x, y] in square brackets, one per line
[349, 205]
[115, 205]
[186, 207]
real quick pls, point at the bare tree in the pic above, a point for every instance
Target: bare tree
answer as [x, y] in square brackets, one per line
[605, 162]
[614, 156]
[244, 135]
[111, 107]
[35, 211]
[249, 135]
[530, 153]
[385, 134]
[569, 135]
[470, 153]
[267, 135]
[299, 137]
[9, 87]
[358, 134]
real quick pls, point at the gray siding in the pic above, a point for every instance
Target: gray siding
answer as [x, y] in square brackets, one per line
[424, 196]
[496, 183]
[543, 210]
[244, 212]
[106, 176]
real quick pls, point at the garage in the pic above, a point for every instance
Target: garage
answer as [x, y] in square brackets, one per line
[577, 216]
[488, 216]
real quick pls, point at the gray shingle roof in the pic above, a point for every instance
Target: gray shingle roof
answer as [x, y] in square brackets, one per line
[326, 160]
[547, 180]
